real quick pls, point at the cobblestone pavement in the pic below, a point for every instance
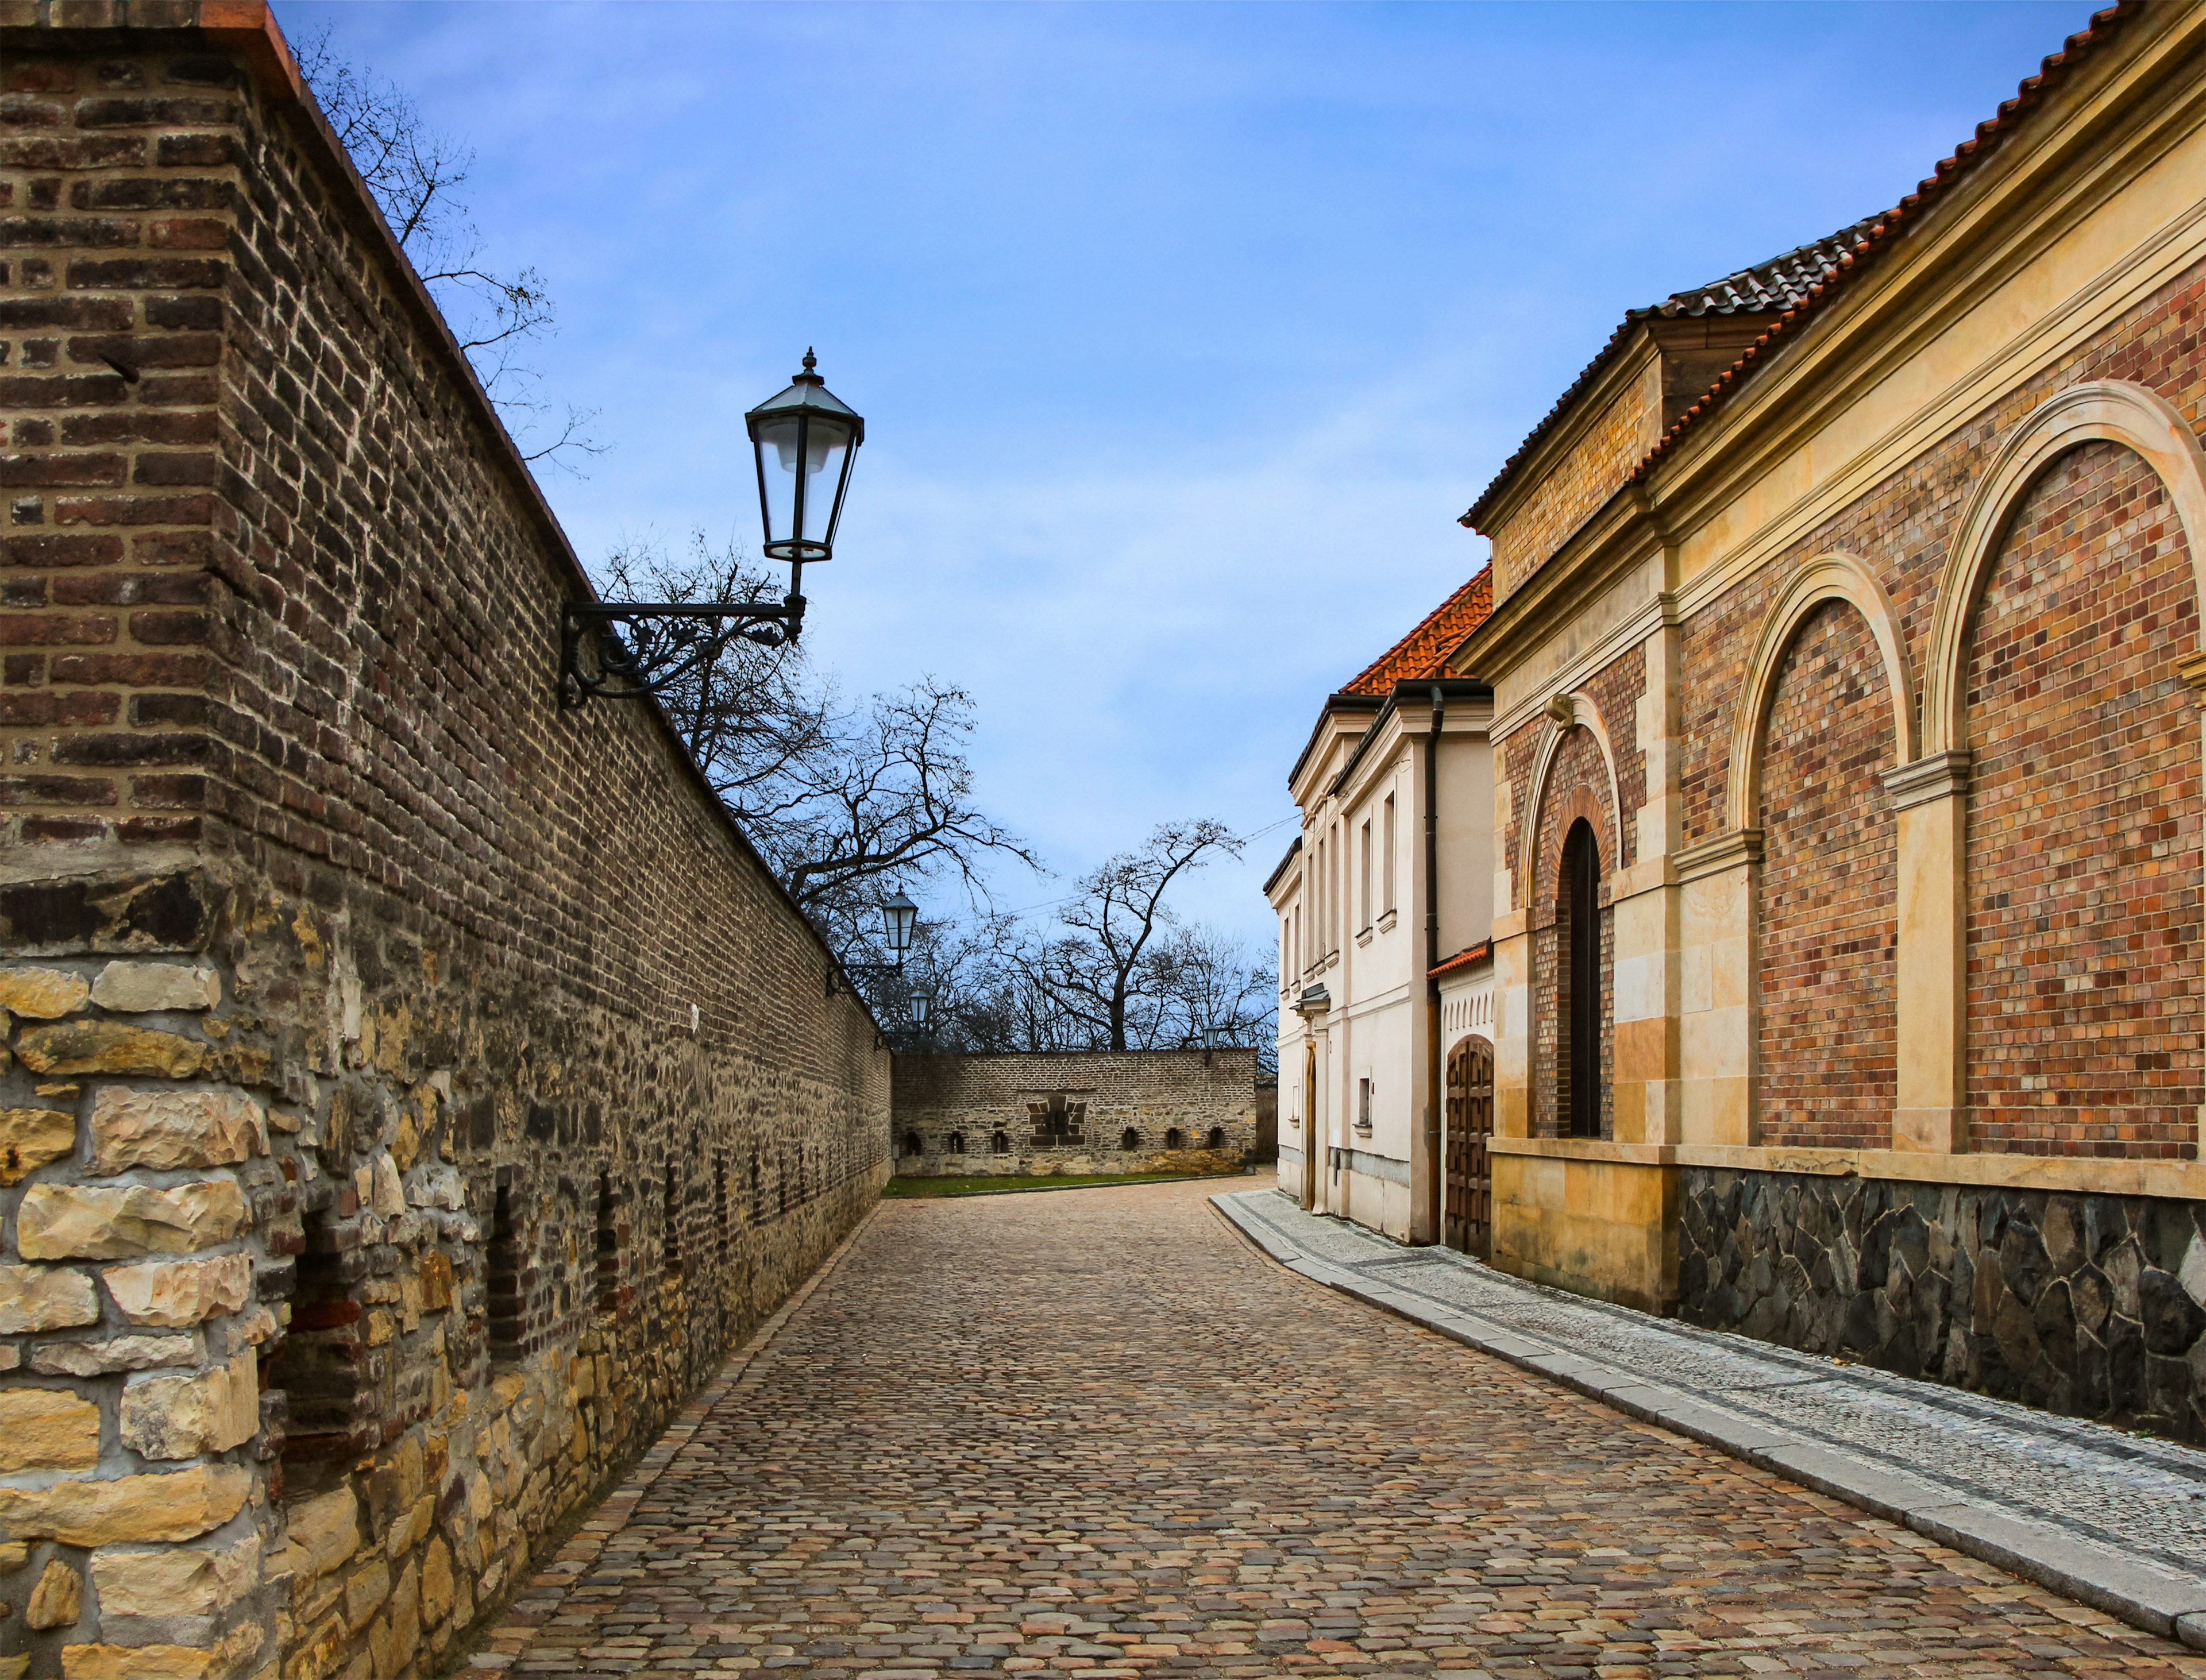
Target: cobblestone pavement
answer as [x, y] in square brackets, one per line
[1096, 1432]
[2125, 1496]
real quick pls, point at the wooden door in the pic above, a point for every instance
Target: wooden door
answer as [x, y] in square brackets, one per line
[1467, 1219]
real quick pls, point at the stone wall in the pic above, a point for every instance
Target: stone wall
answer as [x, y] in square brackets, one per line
[2090, 1305]
[1080, 1112]
[411, 1090]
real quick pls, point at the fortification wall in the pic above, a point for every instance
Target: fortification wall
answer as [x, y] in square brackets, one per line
[1081, 1111]
[412, 1090]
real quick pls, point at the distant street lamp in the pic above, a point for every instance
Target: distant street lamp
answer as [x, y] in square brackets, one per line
[803, 442]
[922, 1010]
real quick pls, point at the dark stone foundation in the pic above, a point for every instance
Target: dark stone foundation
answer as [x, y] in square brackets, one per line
[2082, 1304]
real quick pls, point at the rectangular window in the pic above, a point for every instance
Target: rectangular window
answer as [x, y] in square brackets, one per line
[1386, 839]
[1363, 872]
[1363, 1104]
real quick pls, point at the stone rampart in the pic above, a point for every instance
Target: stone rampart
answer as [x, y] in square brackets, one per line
[1078, 1112]
[411, 1090]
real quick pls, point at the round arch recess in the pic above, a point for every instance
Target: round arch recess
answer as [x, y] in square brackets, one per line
[2103, 411]
[1828, 577]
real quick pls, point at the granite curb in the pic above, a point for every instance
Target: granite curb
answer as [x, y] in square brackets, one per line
[2140, 1593]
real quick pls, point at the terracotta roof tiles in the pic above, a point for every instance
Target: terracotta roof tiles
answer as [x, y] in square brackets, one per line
[1423, 652]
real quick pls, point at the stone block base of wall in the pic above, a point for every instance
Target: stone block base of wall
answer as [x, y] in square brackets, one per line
[1597, 1227]
[2085, 1304]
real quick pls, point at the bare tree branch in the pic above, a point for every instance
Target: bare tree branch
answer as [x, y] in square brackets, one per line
[415, 176]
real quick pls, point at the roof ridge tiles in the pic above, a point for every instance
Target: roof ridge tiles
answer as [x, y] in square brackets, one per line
[1851, 249]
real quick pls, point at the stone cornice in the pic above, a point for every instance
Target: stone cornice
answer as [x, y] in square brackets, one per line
[1938, 775]
[1711, 856]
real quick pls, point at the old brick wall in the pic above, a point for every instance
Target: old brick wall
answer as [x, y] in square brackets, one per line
[2121, 561]
[1824, 985]
[1585, 478]
[412, 1091]
[1073, 1112]
[2084, 825]
[1577, 789]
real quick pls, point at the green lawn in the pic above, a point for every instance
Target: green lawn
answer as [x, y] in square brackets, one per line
[1003, 1184]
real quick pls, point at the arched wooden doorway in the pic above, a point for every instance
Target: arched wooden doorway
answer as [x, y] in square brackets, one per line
[1467, 1217]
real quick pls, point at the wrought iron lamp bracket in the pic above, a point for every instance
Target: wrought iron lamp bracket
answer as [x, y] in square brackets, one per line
[647, 662]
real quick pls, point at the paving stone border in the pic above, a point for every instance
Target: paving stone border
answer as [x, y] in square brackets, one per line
[2158, 1582]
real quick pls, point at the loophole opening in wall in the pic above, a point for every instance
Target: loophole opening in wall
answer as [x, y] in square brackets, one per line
[673, 1245]
[957, 1145]
[1216, 1140]
[318, 1365]
[609, 1255]
[720, 1202]
[1175, 1139]
[503, 1305]
[1000, 1144]
[1130, 1139]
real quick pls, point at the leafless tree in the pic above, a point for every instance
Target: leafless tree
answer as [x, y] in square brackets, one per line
[1099, 968]
[1209, 982]
[415, 174]
[847, 803]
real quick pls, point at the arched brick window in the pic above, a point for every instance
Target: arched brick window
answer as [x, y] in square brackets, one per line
[1579, 983]
[1173, 1139]
[504, 1309]
[1216, 1140]
[1130, 1139]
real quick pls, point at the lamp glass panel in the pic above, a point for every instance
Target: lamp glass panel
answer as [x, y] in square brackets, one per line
[777, 446]
[825, 444]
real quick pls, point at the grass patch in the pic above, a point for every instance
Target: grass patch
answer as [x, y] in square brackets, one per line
[1003, 1184]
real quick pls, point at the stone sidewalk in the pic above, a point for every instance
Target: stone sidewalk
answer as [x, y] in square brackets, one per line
[2115, 1520]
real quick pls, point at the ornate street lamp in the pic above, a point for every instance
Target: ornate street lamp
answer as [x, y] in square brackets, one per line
[922, 1010]
[898, 913]
[803, 443]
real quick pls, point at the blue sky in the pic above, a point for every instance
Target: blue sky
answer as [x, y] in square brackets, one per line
[1182, 333]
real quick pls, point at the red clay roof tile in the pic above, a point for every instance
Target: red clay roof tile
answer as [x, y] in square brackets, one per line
[1423, 652]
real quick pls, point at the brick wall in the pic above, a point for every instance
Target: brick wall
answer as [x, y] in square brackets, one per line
[1901, 530]
[2084, 823]
[1577, 789]
[1072, 1112]
[1586, 477]
[412, 1091]
[1825, 985]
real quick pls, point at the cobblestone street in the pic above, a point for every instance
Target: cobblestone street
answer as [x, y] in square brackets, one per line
[1096, 1431]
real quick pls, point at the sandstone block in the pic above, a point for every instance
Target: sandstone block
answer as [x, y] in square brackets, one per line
[43, 1297]
[366, 1589]
[12, 1556]
[109, 1047]
[137, 1662]
[183, 1291]
[437, 1583]
[31, 1138]
[328, 1528]
[42, 994]
[58, 1598]
[182, 1416]
[174, 1580]
[174, 1128]
[133, 987]
[47, 1429]
[389, 1189]
[437, 1282]
[181, 1506]
[121, 1353]
[56, 1222]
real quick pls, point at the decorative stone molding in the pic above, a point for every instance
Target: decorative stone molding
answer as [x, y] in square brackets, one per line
[1938, 776]
[2103, 410]
[1715, 855]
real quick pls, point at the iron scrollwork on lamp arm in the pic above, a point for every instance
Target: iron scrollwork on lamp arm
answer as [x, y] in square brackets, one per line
[646, 647]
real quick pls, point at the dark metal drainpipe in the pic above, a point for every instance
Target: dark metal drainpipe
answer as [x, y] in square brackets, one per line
[1434, 1095]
